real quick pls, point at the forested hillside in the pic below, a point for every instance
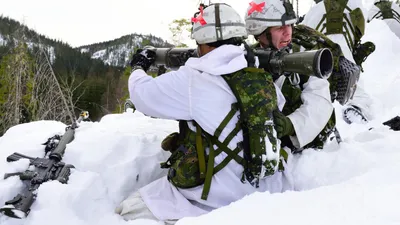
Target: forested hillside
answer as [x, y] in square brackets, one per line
[42, 78]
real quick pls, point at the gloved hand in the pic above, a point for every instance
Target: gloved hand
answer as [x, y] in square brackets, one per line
[283, 125]
[143, 58]
[362, 51]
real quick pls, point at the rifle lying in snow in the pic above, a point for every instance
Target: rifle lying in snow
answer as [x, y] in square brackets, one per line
[46, 168]
[317, 63]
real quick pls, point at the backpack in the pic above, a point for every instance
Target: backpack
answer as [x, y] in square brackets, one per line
[353, 28]
[338, 23]
[386, 11]
[189, 164]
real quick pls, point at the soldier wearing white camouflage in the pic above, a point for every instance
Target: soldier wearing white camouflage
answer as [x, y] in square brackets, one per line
[226, 147]
[308, 105]
[343, 21]
[387, 11]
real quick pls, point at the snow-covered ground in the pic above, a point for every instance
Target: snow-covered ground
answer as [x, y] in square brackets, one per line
[356, 182]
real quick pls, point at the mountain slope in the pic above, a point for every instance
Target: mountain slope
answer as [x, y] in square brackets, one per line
[117, 52]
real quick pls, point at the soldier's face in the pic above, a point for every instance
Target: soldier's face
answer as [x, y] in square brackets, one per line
[203, 49]
[281, 36]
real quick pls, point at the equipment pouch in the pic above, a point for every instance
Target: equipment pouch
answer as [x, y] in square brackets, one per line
[170, 143]
[358, 21]
[185, 163]
[184, 171]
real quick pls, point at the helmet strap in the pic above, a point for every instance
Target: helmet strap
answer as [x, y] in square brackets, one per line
[268, 36]
[218, 29]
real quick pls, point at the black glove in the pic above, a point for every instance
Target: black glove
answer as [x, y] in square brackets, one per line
[362, 51]
[283, 125]
[143, 58]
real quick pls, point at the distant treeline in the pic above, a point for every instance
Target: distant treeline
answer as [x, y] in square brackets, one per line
[96, 86]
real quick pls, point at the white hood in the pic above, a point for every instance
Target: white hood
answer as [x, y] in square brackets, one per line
[220, 61]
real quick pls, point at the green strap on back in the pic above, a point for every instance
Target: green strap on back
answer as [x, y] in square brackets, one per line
[200, 152]
[256, 99]
[222, 147]
[210, 173]
[386, 11]
[338, 23]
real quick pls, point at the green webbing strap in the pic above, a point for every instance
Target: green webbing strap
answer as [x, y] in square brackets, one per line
[233, 133]
[320, 22]
[396, 16]
[200, 151]
[230, 154]
[228, 159]
[212, 153]
[349, 41]
[323, 27]
[379, 14]
[228, 139]
[221, 147]
[210, 173]
[395, 13]
[285, 155]
[350, 25]
[376, 15]
[224, 122]
[348, 33]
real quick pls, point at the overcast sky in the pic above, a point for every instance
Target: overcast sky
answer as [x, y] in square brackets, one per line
[81, 22]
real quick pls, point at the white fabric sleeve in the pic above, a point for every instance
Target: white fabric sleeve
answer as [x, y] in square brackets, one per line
[312, 116]
[166, 96]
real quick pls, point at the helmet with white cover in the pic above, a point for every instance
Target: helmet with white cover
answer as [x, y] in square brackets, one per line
[217, 22]
[262, 14]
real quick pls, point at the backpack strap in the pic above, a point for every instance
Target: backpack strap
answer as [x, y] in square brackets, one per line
[222, 147]
[200, 152]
